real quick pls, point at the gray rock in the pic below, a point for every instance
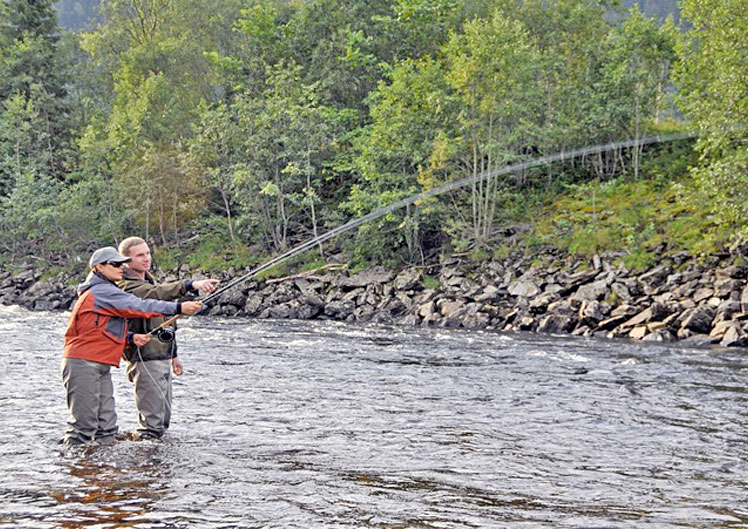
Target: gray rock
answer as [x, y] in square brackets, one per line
[611, 323]
[660, 335]
[408, 279]
[621, 292]
[253, 304]
[624, 310]
[308, 312]
[524, 289]
[540, 303]
[734, 338]
[490, 293]
[649, 314]
[557, 323]
[448, 307]
[657, 275]
[744, 299]
[426, 310]
[702, 294]
[699, 319]
[284, 311]
[371, 276]
[699, 340]
[592, 312]
[339, 309]
[726, 310]
[477, 320]
[592, 291]
[42, 304]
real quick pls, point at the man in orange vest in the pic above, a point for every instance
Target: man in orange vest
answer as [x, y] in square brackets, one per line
[95, 340]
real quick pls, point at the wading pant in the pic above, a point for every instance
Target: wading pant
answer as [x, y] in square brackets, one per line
[90, 398]
[152, 395]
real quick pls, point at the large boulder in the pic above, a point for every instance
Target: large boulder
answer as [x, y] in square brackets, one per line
[699, 319]
[408, 279]
[558, 322]
[372, 276]
[596, 290]
[523, 289]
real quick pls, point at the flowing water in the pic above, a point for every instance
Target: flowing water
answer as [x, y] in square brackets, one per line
[290, 424]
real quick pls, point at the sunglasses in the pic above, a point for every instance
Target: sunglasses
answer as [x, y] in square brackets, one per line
[115, 265]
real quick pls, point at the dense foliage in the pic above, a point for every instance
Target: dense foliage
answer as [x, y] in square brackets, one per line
[263, 123]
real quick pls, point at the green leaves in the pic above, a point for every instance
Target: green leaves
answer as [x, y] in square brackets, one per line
[712, 72]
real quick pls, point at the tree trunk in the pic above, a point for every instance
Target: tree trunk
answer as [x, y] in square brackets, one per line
[227, 207]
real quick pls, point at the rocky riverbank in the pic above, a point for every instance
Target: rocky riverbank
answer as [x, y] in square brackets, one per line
[680, 299]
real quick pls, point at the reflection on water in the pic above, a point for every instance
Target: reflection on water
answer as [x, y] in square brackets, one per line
[111, 486]
[304, 424]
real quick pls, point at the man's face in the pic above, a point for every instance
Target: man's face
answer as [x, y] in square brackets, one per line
[141, 258]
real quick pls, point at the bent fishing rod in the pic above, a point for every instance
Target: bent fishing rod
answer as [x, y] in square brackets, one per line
[544, 160]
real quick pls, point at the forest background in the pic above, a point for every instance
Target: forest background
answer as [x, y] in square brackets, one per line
[227, 132]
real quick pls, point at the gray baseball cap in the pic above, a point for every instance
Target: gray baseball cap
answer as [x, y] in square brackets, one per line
[107, 254]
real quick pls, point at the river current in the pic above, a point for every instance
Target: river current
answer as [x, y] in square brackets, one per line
[293, 424]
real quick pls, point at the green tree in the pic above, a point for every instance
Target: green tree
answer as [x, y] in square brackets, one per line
[492, 68]
[640, 57]
[215, 153]
[33, 77]
[155, 58]
[28, 217]
[712, 74]
[408, 113]
[264, 156]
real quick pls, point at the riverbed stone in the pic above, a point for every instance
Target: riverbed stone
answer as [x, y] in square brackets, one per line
[732, 271]
[307, 312]
[657, 275]
[559, 322]
[702, 294]
[475, 320]
[525, 289]
[734, 337]
[592, 291]
[719, 329]
[253, 304]
[408, 279]
[540, 303]
[592, 312]
[425, 310]
[699, 319]
[697, 340]
[488, 294]
[371, 276]
[339, 309]
[660, 335]
[655, 312]
[744, 299]
[725, 310]
[611, 323]
[448, 307]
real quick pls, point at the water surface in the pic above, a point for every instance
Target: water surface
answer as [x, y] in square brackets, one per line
[282, 424]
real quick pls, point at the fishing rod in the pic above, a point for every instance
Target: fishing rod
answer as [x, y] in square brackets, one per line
[544, 160]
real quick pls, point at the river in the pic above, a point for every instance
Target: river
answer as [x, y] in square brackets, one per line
[294, 424]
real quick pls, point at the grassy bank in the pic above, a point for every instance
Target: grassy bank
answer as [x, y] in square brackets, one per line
[657, 215]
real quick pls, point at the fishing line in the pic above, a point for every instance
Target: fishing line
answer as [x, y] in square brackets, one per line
[561, 156]
[155, 382]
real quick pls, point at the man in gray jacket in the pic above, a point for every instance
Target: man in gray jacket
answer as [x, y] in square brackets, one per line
[151, 366]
